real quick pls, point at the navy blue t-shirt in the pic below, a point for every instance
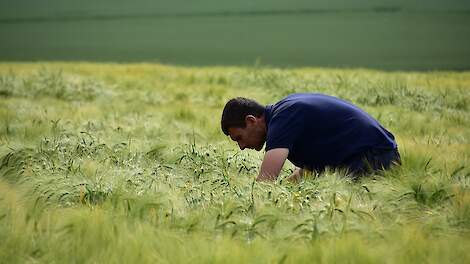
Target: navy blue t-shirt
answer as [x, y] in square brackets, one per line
[321, 130]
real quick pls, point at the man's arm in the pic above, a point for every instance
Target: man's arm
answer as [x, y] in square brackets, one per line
[272, 164]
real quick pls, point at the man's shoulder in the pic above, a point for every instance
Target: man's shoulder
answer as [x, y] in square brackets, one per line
[296, 102]
[296, 97]
[305, 98]
[291, 108]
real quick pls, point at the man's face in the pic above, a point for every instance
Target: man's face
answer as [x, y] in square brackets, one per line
[252, 136]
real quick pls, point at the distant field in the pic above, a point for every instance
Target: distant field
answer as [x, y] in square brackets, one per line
[126, 163]
[391, 35]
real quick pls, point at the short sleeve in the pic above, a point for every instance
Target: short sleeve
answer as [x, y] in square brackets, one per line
[284, 128]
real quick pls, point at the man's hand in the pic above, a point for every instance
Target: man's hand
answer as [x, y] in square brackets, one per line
[272, 164]
[296, 176]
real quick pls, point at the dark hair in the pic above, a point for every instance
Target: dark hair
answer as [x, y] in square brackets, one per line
[236, 110]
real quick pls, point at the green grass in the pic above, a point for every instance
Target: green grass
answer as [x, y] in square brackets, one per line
[126, 163]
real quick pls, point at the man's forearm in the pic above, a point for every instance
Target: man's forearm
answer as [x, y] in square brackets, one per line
[272, 163]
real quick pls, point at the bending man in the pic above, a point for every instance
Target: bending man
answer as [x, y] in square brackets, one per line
[313, 131]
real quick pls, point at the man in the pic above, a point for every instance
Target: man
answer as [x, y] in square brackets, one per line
[313, 131]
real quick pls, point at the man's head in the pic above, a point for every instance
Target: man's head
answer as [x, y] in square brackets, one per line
[243, 121]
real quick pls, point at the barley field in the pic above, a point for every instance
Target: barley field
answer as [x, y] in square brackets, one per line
[126, 163]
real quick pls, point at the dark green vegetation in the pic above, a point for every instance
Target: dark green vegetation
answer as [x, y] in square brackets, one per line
[397, 35]
[127, 163]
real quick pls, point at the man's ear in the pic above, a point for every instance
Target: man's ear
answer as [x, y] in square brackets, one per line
[250, 119]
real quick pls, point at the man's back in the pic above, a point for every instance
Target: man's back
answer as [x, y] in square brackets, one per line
[321, 130]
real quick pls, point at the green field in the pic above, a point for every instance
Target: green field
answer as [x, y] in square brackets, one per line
[126, 163]
[390, 35]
